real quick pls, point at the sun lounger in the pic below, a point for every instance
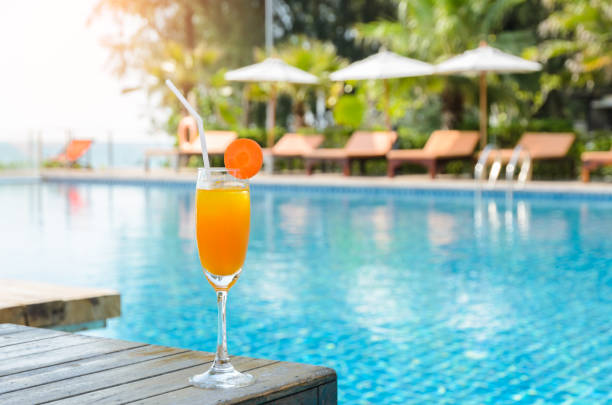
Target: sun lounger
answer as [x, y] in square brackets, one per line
[75, 149]
[189, 143]
[442, 146]
[216, 143]
[361, 146]
[594, 160]
[540, 146]
[292, 146]
[295, 145]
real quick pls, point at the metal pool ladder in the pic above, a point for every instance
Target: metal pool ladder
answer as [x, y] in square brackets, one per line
[524, 173]
[494, 172]
[481, 166]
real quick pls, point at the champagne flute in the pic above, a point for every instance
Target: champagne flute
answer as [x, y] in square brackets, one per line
[222, 231]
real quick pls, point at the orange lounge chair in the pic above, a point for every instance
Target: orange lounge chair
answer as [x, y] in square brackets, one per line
[442, 146]
[292, 146]
[295, 145]
[594, 160]
[540, 146]
[189, 140]
[75, 149]
[216, 144]
[361, 146]
[189, 143]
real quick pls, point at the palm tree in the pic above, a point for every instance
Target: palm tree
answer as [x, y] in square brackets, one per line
[313, 56]
[578, 33]
[436, 30]
[316, 57]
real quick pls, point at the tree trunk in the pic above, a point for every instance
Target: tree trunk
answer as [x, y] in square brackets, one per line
[190, 41]
[452, 106]
[299, 110]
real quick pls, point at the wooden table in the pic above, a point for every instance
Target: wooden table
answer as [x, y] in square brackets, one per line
[47, 305]
[41, 365]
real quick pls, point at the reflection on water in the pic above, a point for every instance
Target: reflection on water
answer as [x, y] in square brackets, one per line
[380, 219]
[186, 209]
[405, 296]
[488, 224]
[441, 228]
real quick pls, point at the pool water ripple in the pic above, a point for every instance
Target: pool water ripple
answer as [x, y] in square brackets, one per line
[410, 298]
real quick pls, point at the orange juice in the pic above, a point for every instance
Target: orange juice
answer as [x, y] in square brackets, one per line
[222, 228]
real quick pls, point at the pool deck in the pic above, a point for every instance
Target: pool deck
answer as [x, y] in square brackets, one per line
[40, 365]
[46, 305]
[419, 182]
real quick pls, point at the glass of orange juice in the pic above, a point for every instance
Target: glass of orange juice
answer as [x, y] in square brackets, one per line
[223, 212]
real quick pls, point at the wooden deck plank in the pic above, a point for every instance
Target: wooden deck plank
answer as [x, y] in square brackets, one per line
[310, 396]
[39, 304]
[18, 292]
[87, 383]
[9, 328]
[67, 368]
[328, 393]
[39, 346]
[27, 336]
[273, 382]
[36, 361]
[100, 357]
[162, 384]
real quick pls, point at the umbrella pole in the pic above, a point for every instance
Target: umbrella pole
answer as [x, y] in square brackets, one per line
[245, 105]
[387, 115]
[271, 121]
[483, 109]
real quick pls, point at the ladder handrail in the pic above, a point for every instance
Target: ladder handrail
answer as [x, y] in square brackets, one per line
[517, 154]
[482, 161]
[511, 166]
[525, 173]
[495, 170]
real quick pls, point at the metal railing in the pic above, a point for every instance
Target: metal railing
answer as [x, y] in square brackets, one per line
[481, 165]
[117, 148]
[524, 174]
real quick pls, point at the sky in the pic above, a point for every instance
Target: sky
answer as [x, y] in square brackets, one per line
[54, 74]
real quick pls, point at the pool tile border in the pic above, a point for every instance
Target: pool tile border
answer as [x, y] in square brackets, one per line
[386, 189]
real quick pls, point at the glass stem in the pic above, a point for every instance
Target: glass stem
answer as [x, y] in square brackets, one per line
[221, 356]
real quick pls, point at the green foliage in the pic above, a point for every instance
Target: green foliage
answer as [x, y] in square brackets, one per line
[336, 137]
[350, 110]
[408, 138]
[230, 113]
[186, 41]
[189, 42]
[436, 30]
[599, 141]
[577, 32]
[333, 21]
[54, 164]
[316, 57]
[12, 165]
[259, 135]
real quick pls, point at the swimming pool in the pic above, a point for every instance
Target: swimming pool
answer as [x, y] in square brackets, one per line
[411, 297]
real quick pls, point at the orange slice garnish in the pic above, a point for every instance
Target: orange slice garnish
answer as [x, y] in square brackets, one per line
[244, 157]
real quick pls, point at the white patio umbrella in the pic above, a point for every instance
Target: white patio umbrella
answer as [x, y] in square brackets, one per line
[271, 70]
[383, 65]
[482, 60]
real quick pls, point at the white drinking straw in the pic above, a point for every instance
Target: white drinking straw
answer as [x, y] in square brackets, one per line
[197, 117]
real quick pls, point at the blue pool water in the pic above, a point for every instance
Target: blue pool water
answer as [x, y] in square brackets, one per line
[410, 298]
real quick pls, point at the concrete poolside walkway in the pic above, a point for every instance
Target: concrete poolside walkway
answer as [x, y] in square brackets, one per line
[328, 179]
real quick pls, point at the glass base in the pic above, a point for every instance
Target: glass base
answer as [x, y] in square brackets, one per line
[222, 376]
[223, 283]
